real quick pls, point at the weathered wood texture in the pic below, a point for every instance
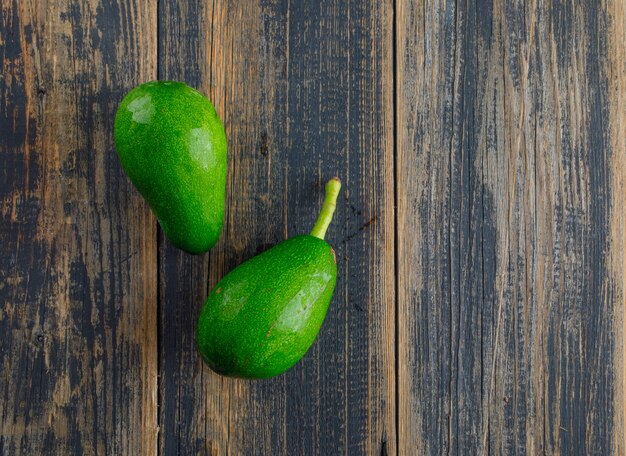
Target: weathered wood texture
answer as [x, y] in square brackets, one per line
[510, 236]
[616, 75]
[78, 355]
[484, 315]
[305, 91]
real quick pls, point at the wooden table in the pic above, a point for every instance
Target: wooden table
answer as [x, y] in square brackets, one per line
[480, 236]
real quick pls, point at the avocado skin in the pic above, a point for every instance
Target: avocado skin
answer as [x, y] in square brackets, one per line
[263, 316]
[172, 146]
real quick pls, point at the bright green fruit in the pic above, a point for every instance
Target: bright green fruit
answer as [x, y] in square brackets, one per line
[172, 145]
[263, 316]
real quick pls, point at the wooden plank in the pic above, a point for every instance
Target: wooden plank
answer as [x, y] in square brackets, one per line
[305, 91]
[615, 72]
[506, 158]
[78, 253]
[183, 55]
[424, 99]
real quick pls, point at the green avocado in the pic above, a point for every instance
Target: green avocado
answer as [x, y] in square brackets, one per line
[172, 146]
[264, 315]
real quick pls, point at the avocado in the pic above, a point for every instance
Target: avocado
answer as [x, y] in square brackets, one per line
[172, 146]
[264, 315]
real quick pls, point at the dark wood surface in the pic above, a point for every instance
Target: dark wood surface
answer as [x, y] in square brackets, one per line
[78, 282]
[480, 233]
[510, 168]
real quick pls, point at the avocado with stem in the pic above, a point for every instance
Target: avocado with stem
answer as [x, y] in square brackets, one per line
[172, 146]
[264, 315]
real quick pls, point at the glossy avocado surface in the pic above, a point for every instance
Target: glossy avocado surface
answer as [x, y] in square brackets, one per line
[263, 316]
[172, 145]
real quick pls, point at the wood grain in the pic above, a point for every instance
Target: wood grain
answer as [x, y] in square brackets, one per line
[509, 151]
[616, 75]
[480, 235]
[78, 263]
[305, 91]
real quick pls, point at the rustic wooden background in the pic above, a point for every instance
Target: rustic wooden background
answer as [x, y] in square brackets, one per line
[480, 237]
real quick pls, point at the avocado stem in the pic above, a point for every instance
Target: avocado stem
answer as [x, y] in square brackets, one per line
[328, 208]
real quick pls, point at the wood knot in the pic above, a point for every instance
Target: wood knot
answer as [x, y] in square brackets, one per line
[264, 147]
